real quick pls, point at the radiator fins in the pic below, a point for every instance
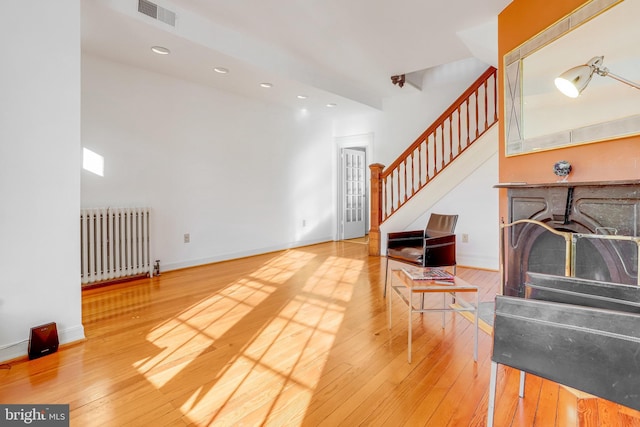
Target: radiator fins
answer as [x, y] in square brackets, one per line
[114, 243]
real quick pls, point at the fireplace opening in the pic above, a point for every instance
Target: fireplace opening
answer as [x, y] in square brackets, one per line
[547, 255]
[602, 217]
[541, 251]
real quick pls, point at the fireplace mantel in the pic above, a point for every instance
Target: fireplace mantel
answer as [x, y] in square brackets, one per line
[597, 207]
[568, 184]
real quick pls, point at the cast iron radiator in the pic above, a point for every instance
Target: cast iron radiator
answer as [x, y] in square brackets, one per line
[114, 243]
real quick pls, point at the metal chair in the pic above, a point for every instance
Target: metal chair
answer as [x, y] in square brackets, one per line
[433, 247]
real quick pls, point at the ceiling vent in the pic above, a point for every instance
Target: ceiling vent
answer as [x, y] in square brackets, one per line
[157, 12]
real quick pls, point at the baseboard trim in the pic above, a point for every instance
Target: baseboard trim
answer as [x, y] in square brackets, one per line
[478, 261]
[242, 254]
[19, 350]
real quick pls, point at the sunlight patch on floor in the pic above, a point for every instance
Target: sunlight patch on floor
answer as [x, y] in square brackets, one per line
[276, 373]
[188, 334]
[184, 337]
[280, 269]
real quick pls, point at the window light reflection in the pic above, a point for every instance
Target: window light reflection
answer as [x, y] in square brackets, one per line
[200, 325]
[279, 368]
[92, 162]
[274, 367]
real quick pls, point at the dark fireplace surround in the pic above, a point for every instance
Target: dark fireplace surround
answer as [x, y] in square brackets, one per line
[611, 207]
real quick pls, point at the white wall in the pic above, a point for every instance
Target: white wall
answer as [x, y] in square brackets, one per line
[39, 172]
[404, 119]
[407, 117]
[476, 203]
[238, 175]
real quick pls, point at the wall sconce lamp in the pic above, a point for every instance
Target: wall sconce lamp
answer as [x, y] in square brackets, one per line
[573, 81]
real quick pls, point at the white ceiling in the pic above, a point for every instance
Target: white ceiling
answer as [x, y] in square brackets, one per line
[339, 51]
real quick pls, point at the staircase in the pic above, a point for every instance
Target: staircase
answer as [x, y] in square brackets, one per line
[463, 123]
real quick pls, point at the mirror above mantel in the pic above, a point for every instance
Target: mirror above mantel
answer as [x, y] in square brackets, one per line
[539, 117]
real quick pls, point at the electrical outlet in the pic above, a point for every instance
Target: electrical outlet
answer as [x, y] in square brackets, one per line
[304, 222]
[187, 237]
[465, 238]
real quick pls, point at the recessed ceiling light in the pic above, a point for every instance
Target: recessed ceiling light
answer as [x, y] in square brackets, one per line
[265, 84]
[302, 97]
[160, 50]
[221, 70]
[331, 105]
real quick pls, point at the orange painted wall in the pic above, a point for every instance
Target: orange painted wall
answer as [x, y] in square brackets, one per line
[602, 161]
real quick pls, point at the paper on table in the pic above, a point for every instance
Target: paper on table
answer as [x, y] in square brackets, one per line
[429, 274]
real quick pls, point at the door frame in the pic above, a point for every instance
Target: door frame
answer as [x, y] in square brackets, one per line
[358, 141]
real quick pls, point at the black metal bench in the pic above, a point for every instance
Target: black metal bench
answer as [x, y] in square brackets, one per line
[580, 333]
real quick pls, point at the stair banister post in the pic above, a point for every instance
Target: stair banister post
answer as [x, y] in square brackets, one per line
[376, 208]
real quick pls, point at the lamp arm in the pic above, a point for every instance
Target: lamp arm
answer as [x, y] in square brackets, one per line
[623, 80]
[604, 71]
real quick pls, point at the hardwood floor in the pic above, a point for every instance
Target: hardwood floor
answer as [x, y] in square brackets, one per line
[293, 338]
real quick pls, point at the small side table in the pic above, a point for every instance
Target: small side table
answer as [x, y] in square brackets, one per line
[406, 288]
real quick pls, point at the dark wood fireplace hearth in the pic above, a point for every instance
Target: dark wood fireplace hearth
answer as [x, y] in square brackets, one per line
[605, 208]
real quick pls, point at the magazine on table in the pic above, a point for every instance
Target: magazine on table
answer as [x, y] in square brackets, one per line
[434, 274]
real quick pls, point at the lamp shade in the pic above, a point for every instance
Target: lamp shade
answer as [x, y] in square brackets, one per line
[574, 80]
